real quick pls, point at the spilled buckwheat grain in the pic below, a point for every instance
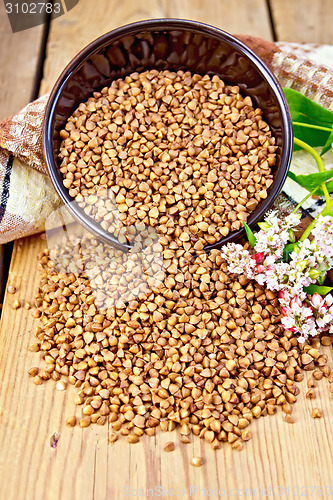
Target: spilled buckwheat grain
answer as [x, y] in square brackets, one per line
[163, 336]
[206, 361]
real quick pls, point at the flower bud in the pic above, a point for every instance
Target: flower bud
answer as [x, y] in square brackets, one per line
[264, 225]
[260, 269]
[314, 274]
[292, 237]
[322, 277]
[258, 257]
[284, 311]
[301, 265]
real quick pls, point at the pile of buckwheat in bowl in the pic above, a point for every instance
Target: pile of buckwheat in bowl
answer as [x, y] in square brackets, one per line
[183, 152]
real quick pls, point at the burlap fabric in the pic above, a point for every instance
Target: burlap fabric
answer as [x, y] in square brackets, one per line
[27, 197]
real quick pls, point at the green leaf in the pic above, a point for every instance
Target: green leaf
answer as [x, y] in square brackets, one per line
[304, 110]
[311, 181]
[328, 144]
[322, 290]
[250, 236]
[288, 249]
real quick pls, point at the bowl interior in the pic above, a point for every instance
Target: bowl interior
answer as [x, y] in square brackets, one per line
[175, 45]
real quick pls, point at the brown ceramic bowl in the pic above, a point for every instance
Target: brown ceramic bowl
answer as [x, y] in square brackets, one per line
[172, 44]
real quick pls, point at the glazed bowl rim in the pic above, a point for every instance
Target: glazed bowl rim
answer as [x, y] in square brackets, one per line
[165, 24]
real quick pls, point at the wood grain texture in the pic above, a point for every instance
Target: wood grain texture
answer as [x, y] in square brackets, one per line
[70, 33]
[18, 61]
[84, 465]
[303, 20]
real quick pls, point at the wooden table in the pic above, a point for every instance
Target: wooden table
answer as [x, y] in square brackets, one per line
[281, 460]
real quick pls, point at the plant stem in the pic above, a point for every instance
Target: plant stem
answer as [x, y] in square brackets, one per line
[321, 168]
[320, 165]
[308, 125]
[314, 222]
[312, 152]
[309, 229]
[304, 199]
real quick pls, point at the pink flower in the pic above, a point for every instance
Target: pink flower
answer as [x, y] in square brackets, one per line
[296, 300]
[289, 323]
[283, 294]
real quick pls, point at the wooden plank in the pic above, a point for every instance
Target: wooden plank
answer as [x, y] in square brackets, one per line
[70, 33]
[18, 61]
[303, 20]
[84, 465]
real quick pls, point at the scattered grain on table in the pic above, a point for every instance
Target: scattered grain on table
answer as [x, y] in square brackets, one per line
[169, 446]
[316, 413]
[187, 356]
[196, 461]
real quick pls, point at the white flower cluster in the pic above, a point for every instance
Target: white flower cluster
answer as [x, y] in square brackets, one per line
[239, 260]
[308, 262]
[309, 317]
[275, 234]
